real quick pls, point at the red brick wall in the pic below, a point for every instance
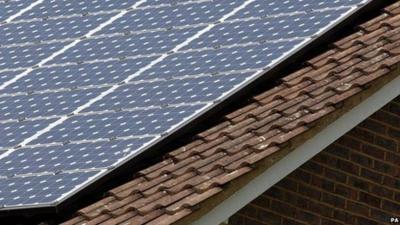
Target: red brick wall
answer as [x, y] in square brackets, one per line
[356, 180]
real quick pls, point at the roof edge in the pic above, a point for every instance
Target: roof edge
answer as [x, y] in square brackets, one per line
[275, 167]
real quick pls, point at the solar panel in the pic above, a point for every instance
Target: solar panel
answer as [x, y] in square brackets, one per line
[86, 86]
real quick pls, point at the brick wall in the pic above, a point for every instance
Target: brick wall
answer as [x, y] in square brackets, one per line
[356, 180]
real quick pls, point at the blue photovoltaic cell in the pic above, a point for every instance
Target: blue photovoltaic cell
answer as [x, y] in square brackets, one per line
[125, 46]
[171, 16]
[27, 56]
[100, 154]
[87, 85]
[56, 8]
[152, 121]
[164, 2]
[40, 189]
[72, 76]
[282, 27]
[219, 60]
[52, 29]
[8, 75]
[263, 8]
[169, 92]
[13, 133]
[9, 8]
[45, 104]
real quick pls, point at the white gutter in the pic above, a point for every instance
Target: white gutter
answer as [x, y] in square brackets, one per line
[301, 155]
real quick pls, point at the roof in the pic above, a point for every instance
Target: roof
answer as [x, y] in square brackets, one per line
[92, 88]
[195, 177]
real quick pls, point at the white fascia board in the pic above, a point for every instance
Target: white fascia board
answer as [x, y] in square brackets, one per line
[301, 155]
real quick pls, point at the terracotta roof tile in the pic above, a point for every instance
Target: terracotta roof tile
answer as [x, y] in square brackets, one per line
[137, 219]
[167, 219]
[179, 154]
[122, 218]
[192, 200]
[176, 187]
[231, 117]
[375, 23]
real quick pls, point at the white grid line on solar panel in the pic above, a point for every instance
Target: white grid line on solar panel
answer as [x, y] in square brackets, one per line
[91, 10]
[62, 158]
[19, 191]
[20, 11]
[145, 44]
[105, 35]
[207, 12]
[72, 16]
[15, 118]
[16, 58]
[127, 35]
[4, 76]
[8, 1]
[99, 51]
[92, 141]
[123, 59]
[48, 31]
[51, 173]
[168, 12]
[19, 69]
[44, 173]
[25, 175]
[32, 26]
[44, 105]
[126, 32]
[80, 15]
[124, 24]
[107, 47]
[91, 38]
[126, 62]
[162, 118]
[85, 141]
[122, 36]
[208, 60]
[143, 69]
[276, 28]
[90, 33]
[262, 8]
[85, 87]
[13, 133]
[110, 125]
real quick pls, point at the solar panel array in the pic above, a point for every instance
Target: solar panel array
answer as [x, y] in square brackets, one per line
[87, 85]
